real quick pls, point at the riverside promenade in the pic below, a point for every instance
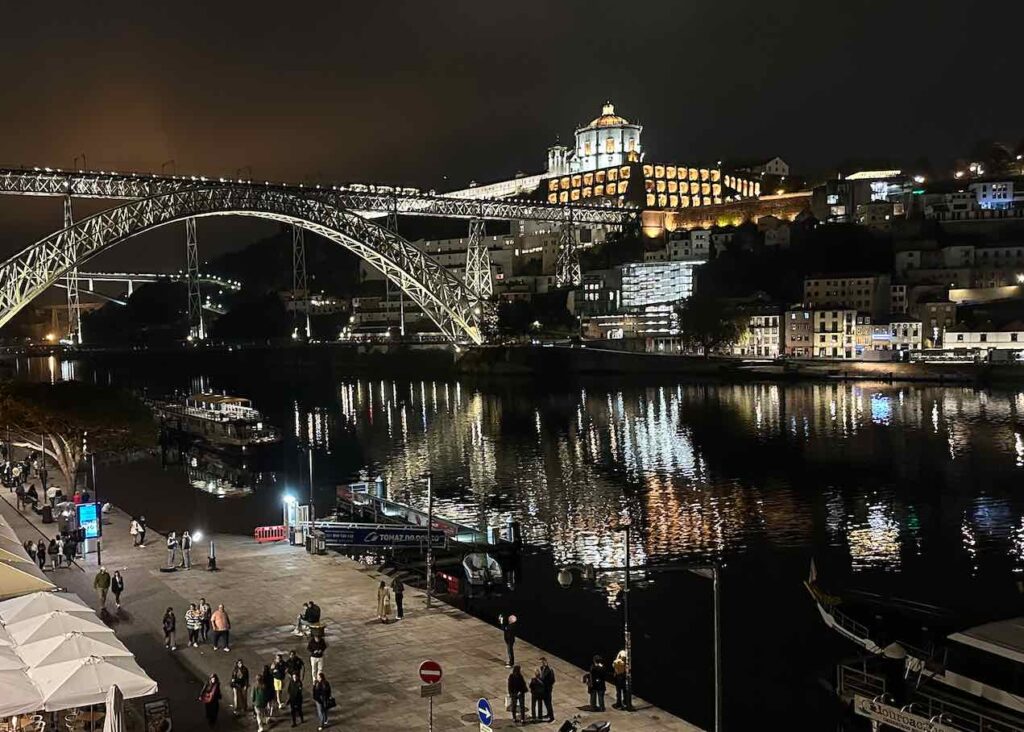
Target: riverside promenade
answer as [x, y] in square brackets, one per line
[372, 667]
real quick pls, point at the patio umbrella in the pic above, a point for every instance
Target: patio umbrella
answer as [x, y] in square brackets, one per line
[87, 681]
[28, 606]
[6, 556]
[114, 721]
[52, 624]
[9, 660]
[18, 695]
[21, 579]
[71, 646]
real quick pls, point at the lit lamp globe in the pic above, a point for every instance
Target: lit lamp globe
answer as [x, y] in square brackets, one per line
[565, 577]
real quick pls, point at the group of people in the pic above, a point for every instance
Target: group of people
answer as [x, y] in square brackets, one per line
[541, 687]
[15, 473]
[203, 623]
[60, 550]
[178, 547]
[384, 594]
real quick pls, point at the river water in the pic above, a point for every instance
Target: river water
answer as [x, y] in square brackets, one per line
[907, 489]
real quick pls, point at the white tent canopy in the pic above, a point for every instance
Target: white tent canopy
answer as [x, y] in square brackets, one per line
[38, 603]
[21, 579]
[87, 681]
[71, 646]
[55, 623]
[18, 694]
[9, 660]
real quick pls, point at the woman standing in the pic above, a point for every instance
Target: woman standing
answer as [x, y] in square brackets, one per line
[383, 602]
[517, 694]
[295, 698]
[622, 693]
[279, 671]
[210, 697]
[239, 687]
[321, 698]
[170, 622]
[117, 587]
[41, 554]
[193, 622]
[595, 684]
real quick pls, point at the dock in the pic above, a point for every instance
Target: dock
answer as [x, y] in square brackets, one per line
[372, 667]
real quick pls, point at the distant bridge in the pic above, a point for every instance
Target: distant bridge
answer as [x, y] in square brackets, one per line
[340, 213]
[89, 280]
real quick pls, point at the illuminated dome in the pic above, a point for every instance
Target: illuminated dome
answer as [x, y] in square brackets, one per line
[608, 118]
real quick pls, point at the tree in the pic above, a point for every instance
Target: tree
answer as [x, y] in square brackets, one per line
[67, 416]
[707, 323]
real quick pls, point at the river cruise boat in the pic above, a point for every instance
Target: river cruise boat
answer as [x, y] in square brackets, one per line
[921, 668]
[218, 419]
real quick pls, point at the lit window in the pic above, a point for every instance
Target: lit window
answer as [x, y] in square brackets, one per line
[609, 145]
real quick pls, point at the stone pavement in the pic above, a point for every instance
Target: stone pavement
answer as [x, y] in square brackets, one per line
[372, 667]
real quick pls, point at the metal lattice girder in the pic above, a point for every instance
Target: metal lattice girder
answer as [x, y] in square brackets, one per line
[74, 334]
[375, 200]
[196, 328]
[478, 262]
[567, 266]
[440, 294]
[300, 287]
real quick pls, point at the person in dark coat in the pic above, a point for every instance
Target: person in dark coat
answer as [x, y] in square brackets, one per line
[41, 553]
[398, 590]
[517, 694]
[70, 549]
[170, 624]
[536, 697]
[295, 698]
[508, 628]
[322, 699]
[595, 679]
[210, 697]
[547, 675]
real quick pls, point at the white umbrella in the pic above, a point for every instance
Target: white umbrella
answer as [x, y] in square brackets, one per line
[70, 647]
[86, 681]
[18, 695]
[53, 624]
[114, 720]
[28, 606]
[5, 638]
[21, 579]
[9, 660]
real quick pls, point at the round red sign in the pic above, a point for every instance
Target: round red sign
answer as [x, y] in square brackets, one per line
[430, 672]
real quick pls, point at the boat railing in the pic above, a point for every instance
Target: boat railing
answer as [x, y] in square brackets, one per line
[963, 715]
[853, 680]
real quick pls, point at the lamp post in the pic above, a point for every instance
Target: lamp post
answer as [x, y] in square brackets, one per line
[99, 511]
[430, 528]
[711, 573]
[627, 636]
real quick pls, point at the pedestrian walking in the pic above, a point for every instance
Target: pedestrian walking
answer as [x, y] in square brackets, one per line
[51, 494]
[258, 697]
[399, 589]
[295, 698]
[536, 697]
[59, 559]
[383, 602]
[186, 550]
[170, 625]
[517, 694]
[206, 613]
[193, 623]
[595, 681]
[19, 494]
[53, 551]
[101, 584]
[142, 531]
[117, 587]
[134, 531]
[280, 672]
[221, 624]
[41, 554]
[295, 665]
[44, 475]
[623, 696]
[267, 680]
[322, 699]
[509, 630]
[210, 697]
[30, 547]
[316, 647]
[172, 550]
[239, 687]
[547, 675]
[70, 547]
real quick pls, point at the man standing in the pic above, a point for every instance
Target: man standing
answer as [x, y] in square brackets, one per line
[172, 550]
[142, 531]
[294, 665]
[43, 475]
[547, 677]
[398, 589]
[102, 584]
[221, 624]
[508, 627]
[186, 550]
[317, 646]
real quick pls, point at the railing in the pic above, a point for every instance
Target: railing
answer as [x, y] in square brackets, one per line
[853, 680]
[267, 534]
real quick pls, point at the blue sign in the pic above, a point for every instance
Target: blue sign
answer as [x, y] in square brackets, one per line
[88, 519]
[380, 536]
[483, 711]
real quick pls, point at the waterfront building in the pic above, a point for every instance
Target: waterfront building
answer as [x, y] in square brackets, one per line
[649, 283]
[799, 333]
[763, 336]
[937, 317]
[840, 333]
[897, 298]
[983, 341]
[600, 292]
[867, 293]
[837, 200]
[899, 335]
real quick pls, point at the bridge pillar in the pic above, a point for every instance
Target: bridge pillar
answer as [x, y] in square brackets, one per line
[74, 307]
[478, 263]
[196, 327]
[300, 286]
[567, 267]
[392, 225]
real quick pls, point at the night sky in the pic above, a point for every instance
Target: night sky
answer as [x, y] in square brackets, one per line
[411, 92]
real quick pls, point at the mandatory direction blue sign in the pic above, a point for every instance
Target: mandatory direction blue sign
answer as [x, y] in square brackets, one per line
[483, 710]
[380, 536]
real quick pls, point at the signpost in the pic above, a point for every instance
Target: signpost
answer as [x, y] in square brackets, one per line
[430, 674]
[378, 535]
[484, 714]
[901, 719]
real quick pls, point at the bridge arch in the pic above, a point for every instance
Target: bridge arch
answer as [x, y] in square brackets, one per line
[440, 294]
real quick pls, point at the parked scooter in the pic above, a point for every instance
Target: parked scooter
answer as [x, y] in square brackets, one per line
[573, 725]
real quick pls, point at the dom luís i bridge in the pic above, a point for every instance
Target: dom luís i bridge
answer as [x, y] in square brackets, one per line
[361, 218]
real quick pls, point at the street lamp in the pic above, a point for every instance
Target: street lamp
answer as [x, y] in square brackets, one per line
[625, 526]
[429, 478]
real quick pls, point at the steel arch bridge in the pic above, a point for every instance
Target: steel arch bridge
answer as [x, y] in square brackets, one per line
[440, 294]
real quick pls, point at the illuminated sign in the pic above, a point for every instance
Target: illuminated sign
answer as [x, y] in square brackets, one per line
[895, 717]
[88, 519]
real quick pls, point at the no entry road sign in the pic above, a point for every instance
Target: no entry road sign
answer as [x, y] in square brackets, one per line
[430, 672]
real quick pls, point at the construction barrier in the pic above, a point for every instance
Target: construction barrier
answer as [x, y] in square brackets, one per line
[450, 582]
[266, 534]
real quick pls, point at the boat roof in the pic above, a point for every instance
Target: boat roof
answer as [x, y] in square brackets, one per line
[219, 399]
[1003, 638]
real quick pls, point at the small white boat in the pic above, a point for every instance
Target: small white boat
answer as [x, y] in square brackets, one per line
[482, 569]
